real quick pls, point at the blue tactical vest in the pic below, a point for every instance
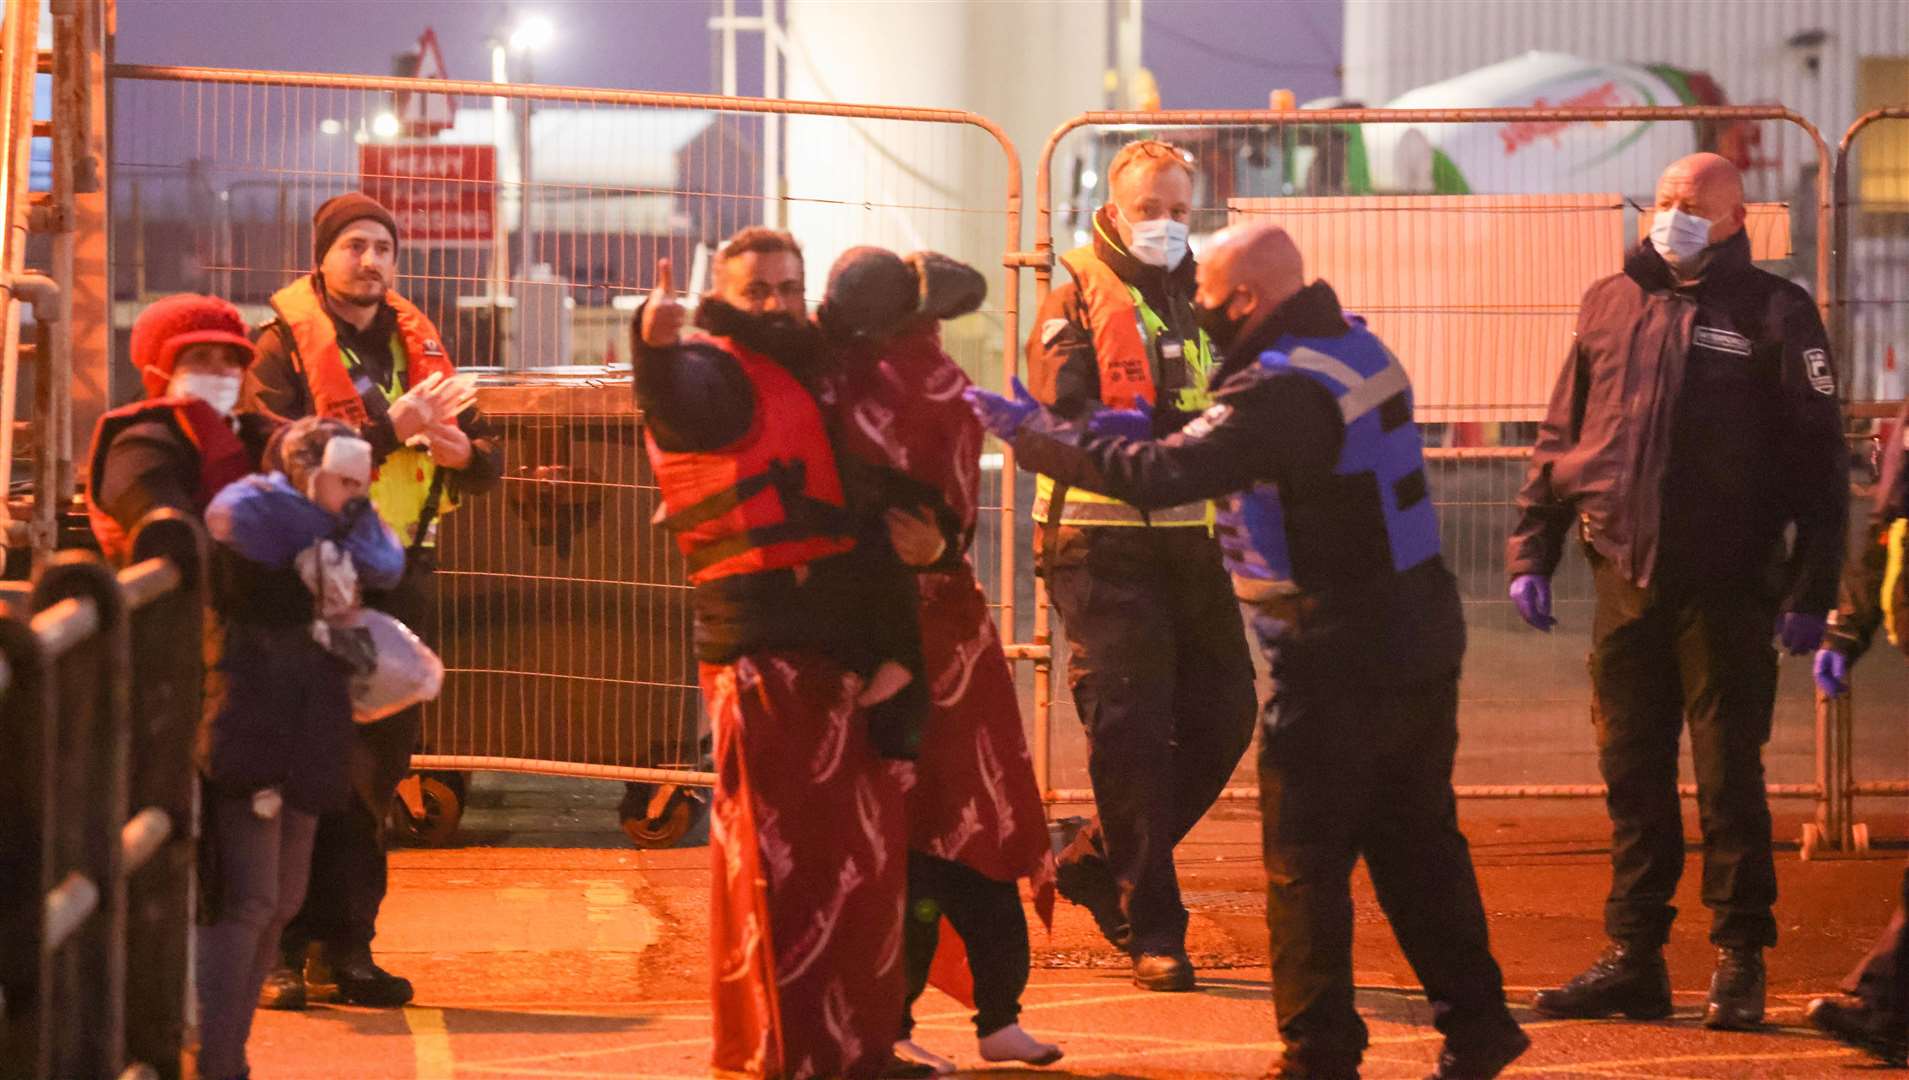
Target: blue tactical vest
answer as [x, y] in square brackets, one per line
[1373, 518]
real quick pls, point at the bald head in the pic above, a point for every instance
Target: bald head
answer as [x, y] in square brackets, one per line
[1706, 186]
[1246, 272]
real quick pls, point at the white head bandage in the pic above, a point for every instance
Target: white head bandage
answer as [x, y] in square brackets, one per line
[349, 457]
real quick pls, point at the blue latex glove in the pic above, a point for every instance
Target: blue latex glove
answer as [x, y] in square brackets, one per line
[1832, 672]
[1000, 415]
[1134, 423]
[1531, 595]
[1800, 633]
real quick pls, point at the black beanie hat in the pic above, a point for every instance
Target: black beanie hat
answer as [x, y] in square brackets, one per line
[341, 210]
[870, 293]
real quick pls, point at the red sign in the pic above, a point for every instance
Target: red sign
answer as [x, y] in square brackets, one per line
[440, 194]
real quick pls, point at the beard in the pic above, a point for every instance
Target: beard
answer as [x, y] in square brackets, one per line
[796, 344]
[359, 290]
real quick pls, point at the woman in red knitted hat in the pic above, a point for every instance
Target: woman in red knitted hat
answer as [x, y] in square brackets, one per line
[179, 445]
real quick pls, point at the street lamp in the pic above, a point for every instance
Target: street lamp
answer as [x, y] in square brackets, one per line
[531, 33]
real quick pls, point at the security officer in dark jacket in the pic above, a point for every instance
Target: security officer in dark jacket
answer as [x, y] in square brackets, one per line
[1695, 421]
[1158, 662]
[1329, 532]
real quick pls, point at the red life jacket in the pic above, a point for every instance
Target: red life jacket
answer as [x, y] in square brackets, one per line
[222, 459]
[315, 350]
[770, 500]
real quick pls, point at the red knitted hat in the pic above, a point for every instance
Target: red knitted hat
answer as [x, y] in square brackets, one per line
[168, 325]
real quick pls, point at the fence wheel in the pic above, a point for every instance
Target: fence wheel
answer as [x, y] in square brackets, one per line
[660, 815]
[427, 809]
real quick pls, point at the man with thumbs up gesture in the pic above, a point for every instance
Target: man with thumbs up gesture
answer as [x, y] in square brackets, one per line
[807, 833]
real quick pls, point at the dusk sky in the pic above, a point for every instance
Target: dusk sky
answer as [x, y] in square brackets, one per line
[1205, 53]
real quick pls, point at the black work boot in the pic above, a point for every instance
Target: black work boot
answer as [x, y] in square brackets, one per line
[284, 988]
[1628, 979]
[1481, 1060]
[1853, 1023]
[1168, 972]
[361, 982]
[1736, 990]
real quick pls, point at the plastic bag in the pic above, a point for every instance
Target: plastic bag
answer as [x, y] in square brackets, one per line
[391, 670]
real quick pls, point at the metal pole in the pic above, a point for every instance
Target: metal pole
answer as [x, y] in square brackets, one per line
[776, 211]
[500, 228]
[21, 48]
[729, 49]
[526, 242]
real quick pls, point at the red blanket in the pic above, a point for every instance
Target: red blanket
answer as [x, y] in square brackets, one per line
[806, 834]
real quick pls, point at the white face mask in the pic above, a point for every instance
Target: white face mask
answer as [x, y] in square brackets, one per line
[1678, 236]
[1157, 241]
[219, 391]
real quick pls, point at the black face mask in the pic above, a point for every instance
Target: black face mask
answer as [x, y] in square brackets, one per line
[796, 344]
[1220, 328]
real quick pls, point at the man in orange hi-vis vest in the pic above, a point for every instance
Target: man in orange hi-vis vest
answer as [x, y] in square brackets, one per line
[344, 344]
[1159, 666]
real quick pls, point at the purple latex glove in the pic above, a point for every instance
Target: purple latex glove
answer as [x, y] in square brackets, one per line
[1531, 595]
[1799, 633]
[1000, 415]
[1832, 672]
[1134, 423]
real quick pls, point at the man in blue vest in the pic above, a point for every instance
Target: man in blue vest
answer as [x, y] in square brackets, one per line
[1329, 533]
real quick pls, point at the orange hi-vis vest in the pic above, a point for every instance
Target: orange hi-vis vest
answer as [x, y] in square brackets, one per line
[771, 499]
[1124, 330]
[222, 459]
[407, 477]
[317, 355]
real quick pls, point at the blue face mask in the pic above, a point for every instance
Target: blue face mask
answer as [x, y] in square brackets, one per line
[1678, 236]
[1158, 242]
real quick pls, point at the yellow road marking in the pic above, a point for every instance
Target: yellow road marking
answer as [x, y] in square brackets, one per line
[494, 1064]
[430, 1042]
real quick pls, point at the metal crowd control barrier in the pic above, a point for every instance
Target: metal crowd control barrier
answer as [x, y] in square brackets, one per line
[100, 690]
[1466, 236]
[1871, 333]
[563, 613]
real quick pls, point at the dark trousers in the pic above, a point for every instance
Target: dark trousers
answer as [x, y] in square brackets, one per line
[1882, 979]
[261, 877]
[988, 916]
[1163, 680]
[1661, 658]
[348, 875]
[1349, 770]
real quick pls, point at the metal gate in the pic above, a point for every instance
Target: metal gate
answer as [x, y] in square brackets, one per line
[1486, 225]
[1871, 327]
[565, 614]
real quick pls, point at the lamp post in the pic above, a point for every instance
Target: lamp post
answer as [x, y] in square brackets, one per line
[523, 37]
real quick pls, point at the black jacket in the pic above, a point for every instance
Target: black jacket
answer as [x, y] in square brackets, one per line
[1282, 428]
[1691, 425]
[150, 466]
